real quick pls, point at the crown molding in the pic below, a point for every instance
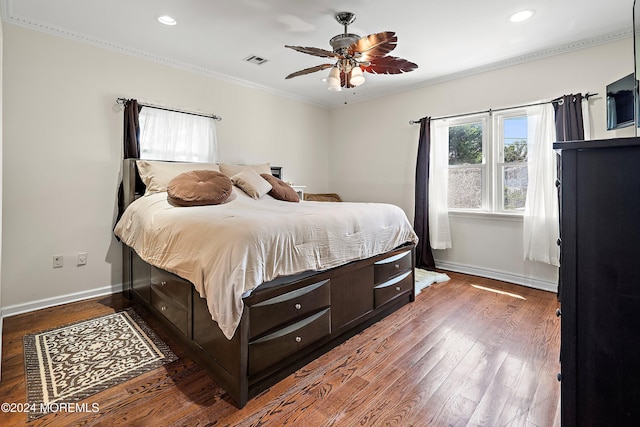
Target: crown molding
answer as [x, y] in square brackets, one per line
[510, 62]
[9, 17]
[534, 56]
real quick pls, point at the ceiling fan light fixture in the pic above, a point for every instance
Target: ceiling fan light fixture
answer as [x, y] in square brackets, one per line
[333, 80]
[357, 78]
[353, 55]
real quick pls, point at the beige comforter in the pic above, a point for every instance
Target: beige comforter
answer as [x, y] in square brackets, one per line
[230, 249]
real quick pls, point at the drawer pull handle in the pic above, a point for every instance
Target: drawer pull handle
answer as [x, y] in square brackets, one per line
[558, 312]
[397, 266]
[163, 308]
[398, 288]
[559, 242]
[557, 183]
[163, 283]
[559, 377]
[298, 339]
[298, 306]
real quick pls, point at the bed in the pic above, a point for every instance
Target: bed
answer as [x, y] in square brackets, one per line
[255, 289]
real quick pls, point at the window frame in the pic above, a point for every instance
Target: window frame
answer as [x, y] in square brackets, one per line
[498, 141]
[493, 164]
[484, 166]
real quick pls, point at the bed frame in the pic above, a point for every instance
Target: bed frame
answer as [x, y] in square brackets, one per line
[285, 323]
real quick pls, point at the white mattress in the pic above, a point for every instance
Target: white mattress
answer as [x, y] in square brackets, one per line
[228, 250]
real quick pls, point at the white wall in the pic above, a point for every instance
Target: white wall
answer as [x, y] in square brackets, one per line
[62, 141]
[63, 151]
[373, 147]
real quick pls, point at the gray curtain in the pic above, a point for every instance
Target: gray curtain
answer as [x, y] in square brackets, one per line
[131, 129]
[131, 141]
[424, 255]
[569, 127]
[568, 117]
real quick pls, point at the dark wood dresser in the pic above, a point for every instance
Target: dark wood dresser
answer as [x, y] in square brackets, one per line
[599, 187]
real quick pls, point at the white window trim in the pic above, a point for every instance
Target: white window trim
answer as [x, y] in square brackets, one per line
[492, 151]
[498, 151]
[485, 167]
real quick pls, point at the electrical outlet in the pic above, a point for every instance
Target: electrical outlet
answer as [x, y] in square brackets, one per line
[82, 258]
[58, 261]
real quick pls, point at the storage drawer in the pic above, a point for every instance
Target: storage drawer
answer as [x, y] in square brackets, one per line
[392, 289]
[389, 267]
[171, 285]
[174, 312]
[285, 308]
[274, 347]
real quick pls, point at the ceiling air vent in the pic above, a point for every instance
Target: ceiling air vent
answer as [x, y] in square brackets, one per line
[253, 59]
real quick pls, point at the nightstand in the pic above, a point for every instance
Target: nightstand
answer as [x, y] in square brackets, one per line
[300, 190]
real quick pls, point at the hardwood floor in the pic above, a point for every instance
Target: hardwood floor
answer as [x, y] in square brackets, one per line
[460, 355]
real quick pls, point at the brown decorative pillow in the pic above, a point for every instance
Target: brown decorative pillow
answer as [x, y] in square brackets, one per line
[281, 190]
[199, 188]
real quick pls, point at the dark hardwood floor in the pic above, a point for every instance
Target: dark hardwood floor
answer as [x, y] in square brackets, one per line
[459, 355]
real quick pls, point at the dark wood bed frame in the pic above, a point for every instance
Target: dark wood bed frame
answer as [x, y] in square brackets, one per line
[285, 323]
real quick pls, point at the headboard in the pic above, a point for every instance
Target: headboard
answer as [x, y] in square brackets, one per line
[130, 176]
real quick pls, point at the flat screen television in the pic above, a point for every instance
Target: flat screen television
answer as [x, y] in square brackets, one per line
[620, 102]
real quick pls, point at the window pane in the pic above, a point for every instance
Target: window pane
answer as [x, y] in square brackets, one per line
[465, 144]
[465, 188]
[515, 139]
[515, 187]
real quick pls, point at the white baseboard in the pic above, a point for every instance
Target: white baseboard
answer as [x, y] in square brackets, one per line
[12, 310]
[504, 276]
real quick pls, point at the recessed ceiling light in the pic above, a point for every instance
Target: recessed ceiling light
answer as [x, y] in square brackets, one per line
[166, 20]
[523, 15]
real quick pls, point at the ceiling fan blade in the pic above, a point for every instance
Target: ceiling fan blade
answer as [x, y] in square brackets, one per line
[315, 51]
[374, 45]
[389, 65]
[309, 70]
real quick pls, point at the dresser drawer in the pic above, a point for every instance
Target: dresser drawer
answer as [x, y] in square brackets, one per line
[174, 312]
[171, 285]
[285, 308]
[392, 288]
[387, 268]
[280, 344]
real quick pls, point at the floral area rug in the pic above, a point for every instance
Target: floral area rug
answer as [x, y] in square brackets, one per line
[68, 364]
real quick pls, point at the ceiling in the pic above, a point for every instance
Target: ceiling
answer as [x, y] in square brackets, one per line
[445, 38]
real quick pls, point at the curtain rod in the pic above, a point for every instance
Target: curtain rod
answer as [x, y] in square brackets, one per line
[560, 100]
[122, 101]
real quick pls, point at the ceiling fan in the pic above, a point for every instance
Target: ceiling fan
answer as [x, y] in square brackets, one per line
[355, 54]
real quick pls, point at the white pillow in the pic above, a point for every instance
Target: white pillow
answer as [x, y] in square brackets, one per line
[156, 174]
[251, 182]
[231, 170]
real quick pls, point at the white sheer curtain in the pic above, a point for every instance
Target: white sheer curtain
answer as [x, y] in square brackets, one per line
[541, 215]
[586, 119]
[170, 135]
[440, 233]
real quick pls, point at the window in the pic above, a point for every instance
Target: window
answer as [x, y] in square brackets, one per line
[467, 166]
[488, 162]
[171, 135]
[512, 161]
